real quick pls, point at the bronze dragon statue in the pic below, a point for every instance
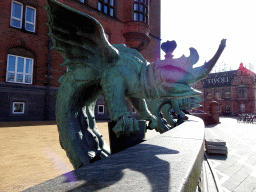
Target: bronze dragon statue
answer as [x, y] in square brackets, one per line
[96, 67]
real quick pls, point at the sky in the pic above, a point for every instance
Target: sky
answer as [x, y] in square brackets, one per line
[202, 24]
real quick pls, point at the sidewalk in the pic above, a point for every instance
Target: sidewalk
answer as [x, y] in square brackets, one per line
[25, 123]
[237, 170]
[31, 153]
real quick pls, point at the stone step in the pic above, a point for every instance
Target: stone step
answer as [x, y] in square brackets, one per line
[218, 142]
[216, 147]
[217, 151]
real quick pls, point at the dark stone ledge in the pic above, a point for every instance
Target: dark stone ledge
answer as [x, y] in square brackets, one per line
[169, 162]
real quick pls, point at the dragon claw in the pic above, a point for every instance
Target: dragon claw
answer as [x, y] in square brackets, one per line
[126, 125]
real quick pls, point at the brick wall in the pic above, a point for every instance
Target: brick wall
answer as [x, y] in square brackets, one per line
[238, 102]
[36, 45]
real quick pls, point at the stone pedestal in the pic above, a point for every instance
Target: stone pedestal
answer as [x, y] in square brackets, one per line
[216, 146]
[215, 112]
[123, 142]
[171, 161]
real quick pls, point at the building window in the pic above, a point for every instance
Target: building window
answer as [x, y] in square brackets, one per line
[227, 109]
[133, 110]
[82, 1]
[106, 6]
[140, 10]
[242, 93]
[242, 107]
[19, 69]
[227, 94]
[23, 16]
[18, 107]
[16, 14]
[218, 95]
[209, 95]
[100, 109]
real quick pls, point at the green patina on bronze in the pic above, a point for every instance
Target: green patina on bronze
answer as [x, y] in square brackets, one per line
[96, 67]
[161, 108]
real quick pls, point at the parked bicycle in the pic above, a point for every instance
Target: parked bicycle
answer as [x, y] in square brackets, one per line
[246, 118]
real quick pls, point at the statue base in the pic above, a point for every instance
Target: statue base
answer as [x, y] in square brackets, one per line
[124, 142]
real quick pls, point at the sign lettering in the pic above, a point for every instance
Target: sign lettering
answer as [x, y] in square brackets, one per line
[218, 80]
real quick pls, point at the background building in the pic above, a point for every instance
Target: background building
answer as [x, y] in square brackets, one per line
[29, 69]
[235, 91]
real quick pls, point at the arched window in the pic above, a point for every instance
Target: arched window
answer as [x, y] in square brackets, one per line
[19, 67]
[242, 93]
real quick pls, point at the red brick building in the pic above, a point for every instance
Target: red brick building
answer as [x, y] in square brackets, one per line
[235, 91]
[29, 69]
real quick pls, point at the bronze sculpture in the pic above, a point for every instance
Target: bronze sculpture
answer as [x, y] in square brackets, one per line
[96, 67]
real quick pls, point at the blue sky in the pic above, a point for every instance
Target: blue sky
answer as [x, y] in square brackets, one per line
[203, 23]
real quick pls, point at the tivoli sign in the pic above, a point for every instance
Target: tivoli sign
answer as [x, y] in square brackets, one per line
[218, 80]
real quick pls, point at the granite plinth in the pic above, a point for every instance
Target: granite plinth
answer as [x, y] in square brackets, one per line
[171, 161]
[123, 142]
[217, 142]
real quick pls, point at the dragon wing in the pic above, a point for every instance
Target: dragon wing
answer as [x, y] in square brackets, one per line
[78, 37]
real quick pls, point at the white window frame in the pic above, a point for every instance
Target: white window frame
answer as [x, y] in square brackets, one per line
[23, 109]
[16, 66]
[14, 18]
[34, 24]
[103, 109]
[23, 23]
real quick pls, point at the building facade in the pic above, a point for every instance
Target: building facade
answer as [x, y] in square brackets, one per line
[235, 91]
[29, 69]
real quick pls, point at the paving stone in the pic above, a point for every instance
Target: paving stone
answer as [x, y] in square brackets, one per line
[230, 171]
[231, 184]
[251, 160]
[243, 173]
[247, 184]
[221, 167]
[241, 160]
